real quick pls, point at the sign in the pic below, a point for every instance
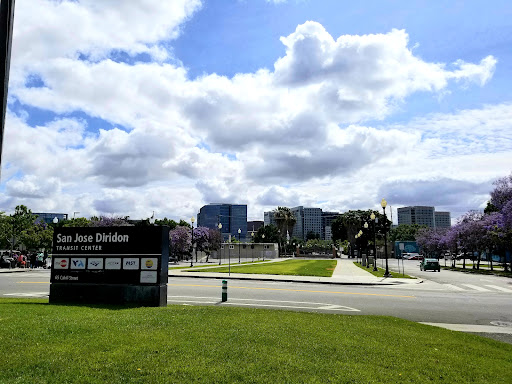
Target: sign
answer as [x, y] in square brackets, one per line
[60, 263]
[118, 264]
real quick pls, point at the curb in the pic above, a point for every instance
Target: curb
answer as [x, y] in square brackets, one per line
[290, 280]
[14, 271]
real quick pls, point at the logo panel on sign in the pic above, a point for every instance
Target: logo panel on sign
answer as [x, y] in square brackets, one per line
[148, 277]
[95, 263]
[149, 263]
[131, 263]
[78, 263]
[61, 263]
[113, 263]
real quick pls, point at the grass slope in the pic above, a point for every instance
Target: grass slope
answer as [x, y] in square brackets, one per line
[322, 268]
[380, 272]
[44, 343]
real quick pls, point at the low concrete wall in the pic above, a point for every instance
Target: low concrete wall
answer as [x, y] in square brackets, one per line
[247, 251]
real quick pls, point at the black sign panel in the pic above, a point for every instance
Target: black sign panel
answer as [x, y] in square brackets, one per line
[107, 240]
[95, 259]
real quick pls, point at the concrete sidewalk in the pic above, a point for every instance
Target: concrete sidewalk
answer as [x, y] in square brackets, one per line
[345, 273]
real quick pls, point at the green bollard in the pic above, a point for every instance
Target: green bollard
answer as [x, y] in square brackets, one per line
[224, 290]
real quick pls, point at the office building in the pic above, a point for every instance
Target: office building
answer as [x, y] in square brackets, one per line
[327, 219]
[253, 226]
[268, 218]
[49, 217]
[443, 219]
[231, 216]
[309, 220]
[423, 215]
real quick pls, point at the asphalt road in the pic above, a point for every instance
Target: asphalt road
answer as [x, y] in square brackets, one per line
[430, 301]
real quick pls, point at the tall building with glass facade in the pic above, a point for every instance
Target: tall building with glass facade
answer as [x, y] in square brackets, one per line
[231, 216]
[49, 217]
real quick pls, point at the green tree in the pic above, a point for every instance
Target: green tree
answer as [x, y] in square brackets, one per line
[76, 222]
[184, 223]
[5, 231]
[167, 222]
[271, 233]
[339, 230]
[351, 222]
[39, 235]
[21, 220]
[405, 232]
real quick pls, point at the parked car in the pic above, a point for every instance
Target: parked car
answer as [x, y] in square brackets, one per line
[415, 256]
[430, 265]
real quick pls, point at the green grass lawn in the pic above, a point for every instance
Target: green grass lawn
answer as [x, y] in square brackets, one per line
[322, 268]
[44, 343]
[380, 272]
[213, 265]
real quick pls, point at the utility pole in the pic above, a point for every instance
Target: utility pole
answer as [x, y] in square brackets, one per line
[6, 23]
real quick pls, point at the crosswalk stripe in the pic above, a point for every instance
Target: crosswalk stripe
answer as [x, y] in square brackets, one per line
[500, 288]
[454, 287]
[476, 288]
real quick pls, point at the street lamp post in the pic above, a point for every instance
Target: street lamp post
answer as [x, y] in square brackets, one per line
[374, 220]
[287, 242]
[383, 204]
[192, 244]
[263, 252]
[252, 246]
[220, 245]
[357, 246]
[239, 232]
[366, 247]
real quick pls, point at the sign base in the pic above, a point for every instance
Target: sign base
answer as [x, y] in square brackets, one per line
[143, 295]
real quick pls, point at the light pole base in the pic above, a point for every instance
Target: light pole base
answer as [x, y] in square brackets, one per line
[387, 274]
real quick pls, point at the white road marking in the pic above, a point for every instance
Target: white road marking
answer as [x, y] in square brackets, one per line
[27, 294]
[476, 288]
[340, 308]
[454, 287]
[256, 303]
[500, 288]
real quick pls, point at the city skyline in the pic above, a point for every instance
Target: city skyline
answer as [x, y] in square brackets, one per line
[141, 107]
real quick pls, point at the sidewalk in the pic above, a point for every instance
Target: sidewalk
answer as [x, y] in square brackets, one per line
[345, 273]
[11, 270]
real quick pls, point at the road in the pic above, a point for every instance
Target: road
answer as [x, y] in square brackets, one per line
[481, 301]
[452, 280]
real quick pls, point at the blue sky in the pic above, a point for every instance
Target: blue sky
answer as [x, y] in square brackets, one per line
[167, 106]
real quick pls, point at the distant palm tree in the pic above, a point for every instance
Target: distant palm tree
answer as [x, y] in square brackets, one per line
[285, 220]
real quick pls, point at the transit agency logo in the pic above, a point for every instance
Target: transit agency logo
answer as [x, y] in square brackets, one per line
[149, 263]
[61, 263]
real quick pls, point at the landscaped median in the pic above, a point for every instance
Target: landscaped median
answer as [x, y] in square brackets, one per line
[380, 272]
[44, 343]
[320, 268]
[482, 271]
